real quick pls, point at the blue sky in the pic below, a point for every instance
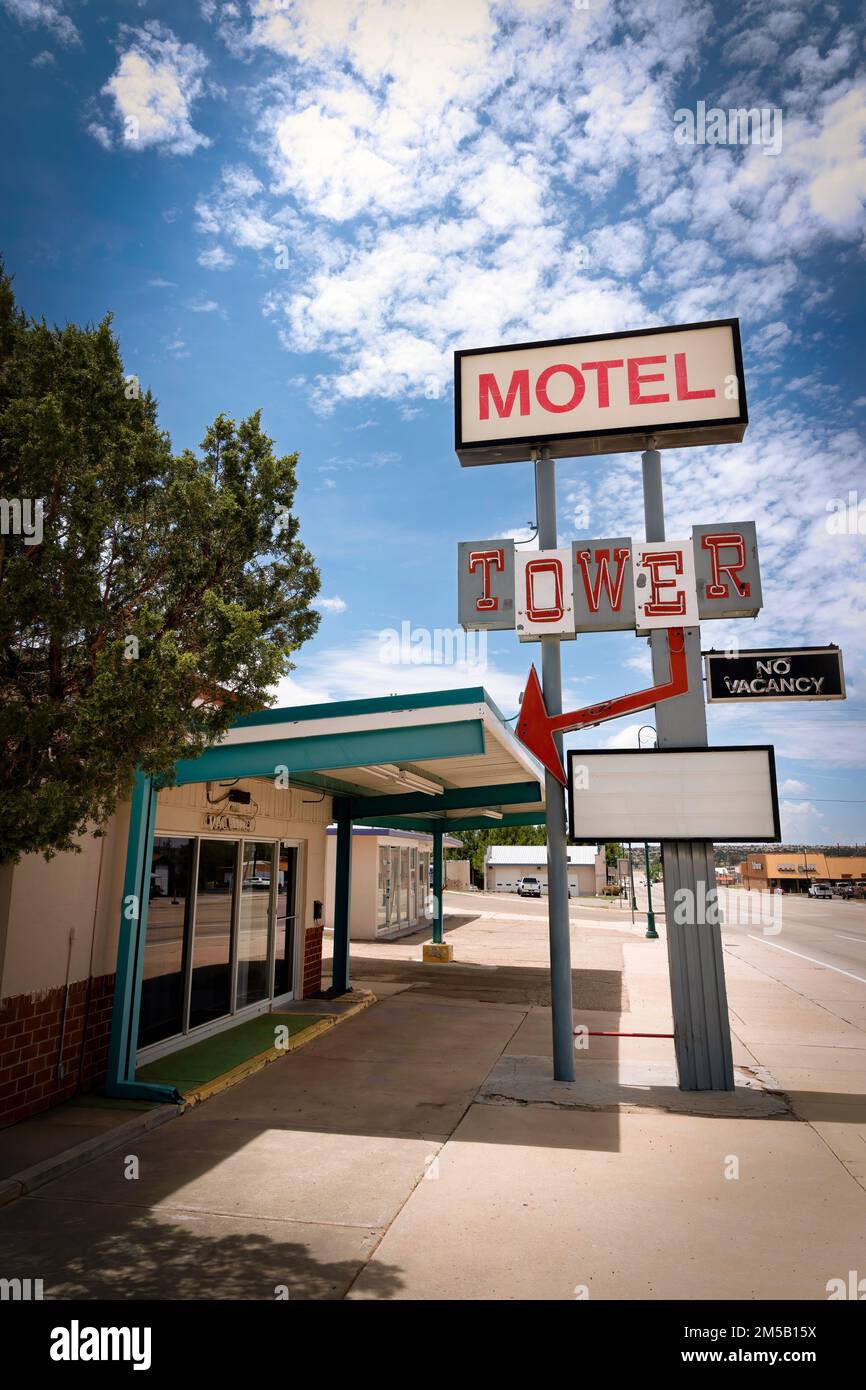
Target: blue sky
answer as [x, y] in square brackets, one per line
[305, 207]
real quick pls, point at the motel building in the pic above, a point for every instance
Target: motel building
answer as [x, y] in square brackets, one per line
[504, 865]
[392, 880]
[792, 872]
[202, 905]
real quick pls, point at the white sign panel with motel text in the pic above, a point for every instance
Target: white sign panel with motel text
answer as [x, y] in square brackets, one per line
[601, 395]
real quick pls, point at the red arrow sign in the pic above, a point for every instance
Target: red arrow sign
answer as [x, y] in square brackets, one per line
[535, 727]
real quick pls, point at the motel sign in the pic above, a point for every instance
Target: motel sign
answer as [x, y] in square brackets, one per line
[601, 395]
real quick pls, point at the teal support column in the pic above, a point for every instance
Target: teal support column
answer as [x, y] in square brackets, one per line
[342, 906]
[438, 911]
[120, 1078]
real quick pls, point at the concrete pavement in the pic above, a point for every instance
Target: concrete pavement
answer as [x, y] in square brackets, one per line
[388, 1160]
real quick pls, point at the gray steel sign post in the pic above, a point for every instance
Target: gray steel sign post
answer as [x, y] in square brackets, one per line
[702, 1034]
[554, 800]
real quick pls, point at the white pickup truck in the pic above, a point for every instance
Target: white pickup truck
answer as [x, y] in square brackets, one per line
[528, 887]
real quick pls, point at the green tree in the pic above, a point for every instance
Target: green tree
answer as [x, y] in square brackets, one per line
[162, 599]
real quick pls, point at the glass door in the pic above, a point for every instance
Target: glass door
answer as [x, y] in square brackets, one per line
[404, 885]
[394, 897]
[383, 887]
[413, 884]
[166, 946]
[286, 916]
[254, 923]
[211, 988]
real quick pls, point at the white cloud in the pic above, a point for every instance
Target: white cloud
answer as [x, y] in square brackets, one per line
[47, 14]
[801, 820]
[620, 247]
[331, 605]
[791, 787]
[45, 59]
[215, 258]
[435, 172]
[157, 81]
[358, 671]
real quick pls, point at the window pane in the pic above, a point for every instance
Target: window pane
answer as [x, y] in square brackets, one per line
[211, 963]
[167, 941]
[254, 920]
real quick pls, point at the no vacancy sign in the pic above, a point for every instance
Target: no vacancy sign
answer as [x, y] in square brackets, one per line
[601, 394]
[777, 673]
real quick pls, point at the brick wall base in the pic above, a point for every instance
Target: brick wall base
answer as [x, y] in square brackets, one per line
[312, 961]
[30, 1058]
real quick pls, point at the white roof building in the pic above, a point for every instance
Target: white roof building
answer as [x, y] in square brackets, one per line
[535, 855]
[504, 865]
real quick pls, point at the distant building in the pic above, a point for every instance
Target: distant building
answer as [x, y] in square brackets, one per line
[793, 870]
[505, 864]
[391, 887]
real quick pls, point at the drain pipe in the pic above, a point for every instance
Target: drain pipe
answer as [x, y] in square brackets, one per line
[61, 1070]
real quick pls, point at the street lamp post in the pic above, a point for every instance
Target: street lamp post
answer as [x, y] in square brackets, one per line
[651, 933]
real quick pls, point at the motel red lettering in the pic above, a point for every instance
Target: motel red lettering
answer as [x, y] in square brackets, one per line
[603, 382]
[636, 380]
[546, 613]
[519, 390]
[602, 577]
[488, 389]
[656, 606]
[487, 560]
[718, 586]
[682, 378]
[577, 383]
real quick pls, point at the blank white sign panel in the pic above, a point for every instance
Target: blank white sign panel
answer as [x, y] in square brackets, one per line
[673, 794]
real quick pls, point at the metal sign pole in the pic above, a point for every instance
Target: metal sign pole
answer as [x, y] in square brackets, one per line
[554, 792]
[699, 999]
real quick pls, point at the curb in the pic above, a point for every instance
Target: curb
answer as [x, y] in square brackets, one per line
[273, 1054]
[29, 1179]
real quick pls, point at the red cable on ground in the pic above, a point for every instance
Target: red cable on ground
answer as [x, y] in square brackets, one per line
[627, 1035]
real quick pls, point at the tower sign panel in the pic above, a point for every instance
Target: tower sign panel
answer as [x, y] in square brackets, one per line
[601, 394]
[611, 584]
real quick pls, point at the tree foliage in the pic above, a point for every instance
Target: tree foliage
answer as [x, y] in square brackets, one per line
[164, 597]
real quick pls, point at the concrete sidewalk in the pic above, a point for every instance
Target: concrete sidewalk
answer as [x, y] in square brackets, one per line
[405, 1155]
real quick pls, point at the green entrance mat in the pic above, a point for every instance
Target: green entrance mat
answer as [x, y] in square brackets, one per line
[204, 1061]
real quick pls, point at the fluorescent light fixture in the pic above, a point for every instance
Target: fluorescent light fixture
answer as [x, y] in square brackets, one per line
[421, 784]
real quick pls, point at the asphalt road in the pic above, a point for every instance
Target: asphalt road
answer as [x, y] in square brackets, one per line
[830, 932]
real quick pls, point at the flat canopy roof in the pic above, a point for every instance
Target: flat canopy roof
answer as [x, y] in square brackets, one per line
[402, 761]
